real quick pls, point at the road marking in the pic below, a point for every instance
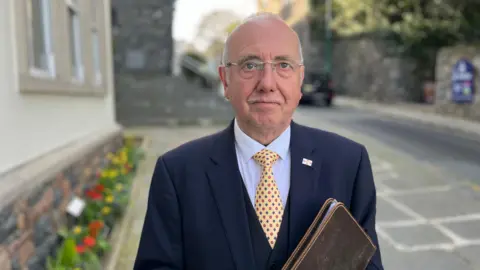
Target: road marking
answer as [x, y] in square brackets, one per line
[456, 219]
[405, 209]
[384, 171]
[385, 236]
[381, 167]
[438, 246]
[416, 222]
[414, 191]
[457, 239]
[401, 223]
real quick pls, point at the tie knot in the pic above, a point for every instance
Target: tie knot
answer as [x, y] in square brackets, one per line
[266, 157]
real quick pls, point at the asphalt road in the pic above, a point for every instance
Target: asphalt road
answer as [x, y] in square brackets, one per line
[459, 155]
[428, 192]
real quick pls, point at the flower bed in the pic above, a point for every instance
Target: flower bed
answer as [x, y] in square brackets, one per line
[85, 238]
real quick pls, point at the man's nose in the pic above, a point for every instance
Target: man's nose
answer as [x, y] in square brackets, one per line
[267, 78]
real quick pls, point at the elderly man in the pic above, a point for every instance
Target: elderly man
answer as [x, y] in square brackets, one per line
[209, 198]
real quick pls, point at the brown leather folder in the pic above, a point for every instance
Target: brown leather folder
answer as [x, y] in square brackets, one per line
[334, 241]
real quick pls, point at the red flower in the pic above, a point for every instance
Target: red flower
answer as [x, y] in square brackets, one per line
[94, 195]
[80, 249]
[89, 241]
[100, 188]
[95, 227]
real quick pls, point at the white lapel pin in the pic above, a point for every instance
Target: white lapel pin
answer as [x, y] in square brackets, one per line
[307, 162]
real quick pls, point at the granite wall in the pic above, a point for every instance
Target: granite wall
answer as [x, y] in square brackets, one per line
[29, 223]
[168, 100]
[142, 36]
[365, 66]
[446, 59]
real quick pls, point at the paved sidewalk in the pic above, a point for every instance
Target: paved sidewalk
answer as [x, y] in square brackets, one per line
[423, 114]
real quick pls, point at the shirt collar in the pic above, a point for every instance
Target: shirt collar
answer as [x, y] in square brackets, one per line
[248, 147]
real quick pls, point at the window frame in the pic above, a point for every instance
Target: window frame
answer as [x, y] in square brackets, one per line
[96, 43]
[63, 83]
[79, 68]
[46, 10]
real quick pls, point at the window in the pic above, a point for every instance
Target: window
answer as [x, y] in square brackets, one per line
[41, 60]
[94, 5]
[61, 46]
[96, 57]
[75, 42]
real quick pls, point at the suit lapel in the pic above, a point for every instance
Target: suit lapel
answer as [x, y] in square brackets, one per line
[226, 185]
[306, 195]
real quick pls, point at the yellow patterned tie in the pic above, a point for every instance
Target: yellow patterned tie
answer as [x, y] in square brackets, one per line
[268, 203]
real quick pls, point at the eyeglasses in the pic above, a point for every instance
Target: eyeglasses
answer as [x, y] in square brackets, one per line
[253, 68]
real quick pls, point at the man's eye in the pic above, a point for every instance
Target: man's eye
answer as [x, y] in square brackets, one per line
[285, 65]
[250, 65]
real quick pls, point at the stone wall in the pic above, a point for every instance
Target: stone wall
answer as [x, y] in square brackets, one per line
[146, 91]
[31, 219]
[143, 36]
[446, 59]
[167, 100]
[364, 67]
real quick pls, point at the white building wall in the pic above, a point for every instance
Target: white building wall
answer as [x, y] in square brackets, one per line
[32, 125]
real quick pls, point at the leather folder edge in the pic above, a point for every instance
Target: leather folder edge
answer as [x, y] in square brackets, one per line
[315, 236]
[321, 228]
[320, 213]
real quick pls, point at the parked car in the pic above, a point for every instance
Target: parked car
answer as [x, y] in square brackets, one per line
[317, 88]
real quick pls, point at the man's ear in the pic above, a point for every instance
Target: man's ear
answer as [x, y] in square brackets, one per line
[302, 74]
[222, 72]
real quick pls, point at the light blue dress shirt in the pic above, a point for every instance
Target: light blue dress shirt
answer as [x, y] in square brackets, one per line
[250, 170]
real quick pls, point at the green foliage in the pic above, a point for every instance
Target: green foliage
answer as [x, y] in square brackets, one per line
[416, 25]
[67, 257]
[87, 241]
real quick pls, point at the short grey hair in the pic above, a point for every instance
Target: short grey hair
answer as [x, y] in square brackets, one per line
[254, 17]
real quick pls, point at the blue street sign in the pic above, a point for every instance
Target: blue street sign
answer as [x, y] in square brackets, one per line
[463, 82]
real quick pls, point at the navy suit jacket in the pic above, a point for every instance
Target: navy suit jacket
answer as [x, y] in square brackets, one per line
[196, 217]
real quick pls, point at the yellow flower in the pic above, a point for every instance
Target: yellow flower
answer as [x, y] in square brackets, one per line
[115, 160]
[119, 187]
[123, 160]
[104, 173]
[77, 268]
[106, 210]
[110, 156]
[77, 230]
[113, 174]
[109, 199]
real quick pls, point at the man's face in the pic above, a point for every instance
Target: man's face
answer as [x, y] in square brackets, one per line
[264, 97]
